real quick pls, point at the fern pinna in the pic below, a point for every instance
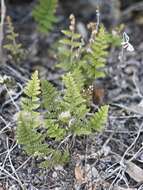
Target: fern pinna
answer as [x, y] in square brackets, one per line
[61, 115]
[44, 14]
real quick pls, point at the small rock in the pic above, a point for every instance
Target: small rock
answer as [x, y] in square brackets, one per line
[94, 172]
[54, 175]
[59, 167]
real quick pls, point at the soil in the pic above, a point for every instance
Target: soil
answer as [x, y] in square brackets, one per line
[109, 160]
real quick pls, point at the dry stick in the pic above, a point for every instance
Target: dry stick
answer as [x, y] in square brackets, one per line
[122, 166]
[119, 169]
[3, 120]
[12, 99]
[121, 131]
[136, 110]
[123, 177]
[24, 163]
[2, 168]
[3, 13]
[130, 147]
[17, 169]
[6, 127]
[8, 152]
[136, 154]
[12, 167]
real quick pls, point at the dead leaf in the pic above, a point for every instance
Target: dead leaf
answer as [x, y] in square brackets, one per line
[135, 172]
[79, 175]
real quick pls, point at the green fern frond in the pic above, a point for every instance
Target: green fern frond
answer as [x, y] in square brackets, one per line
[79, 78]
[96, 56]
[50, 100]
[29, 137]
[92, 124]
[32, 91]
[99, 119]
[73, 100]
[49, 95]
[29, 118]
[44, 14]
[81, 128]
[57, 158]
[54, 130]
[14, 48]
[69, 49]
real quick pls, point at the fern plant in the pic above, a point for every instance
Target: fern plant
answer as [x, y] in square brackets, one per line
[44, 14]
[30, 122]
[89, 58]
[61, 115]
[15, 50]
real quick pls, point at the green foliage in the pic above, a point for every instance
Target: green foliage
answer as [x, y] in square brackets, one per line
[73, 100]
[32, 90]
[49, 96]
[54, 130]
[96, 56]
[29, 118]
[28, 136]
[99, 119]
[56, 158]
[69, 50]
[44, 14]
[14, 49]
[61, 116]
[90, 58]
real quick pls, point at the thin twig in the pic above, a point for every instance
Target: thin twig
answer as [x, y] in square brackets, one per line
[3, 13]
[130, 147]
[12, 167]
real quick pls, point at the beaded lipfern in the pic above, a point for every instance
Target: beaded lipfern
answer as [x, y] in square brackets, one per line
[89, 58]
[44, 14]
[67, 117]
[30, 122]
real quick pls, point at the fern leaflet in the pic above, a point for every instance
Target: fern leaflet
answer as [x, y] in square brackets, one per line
[99, 119]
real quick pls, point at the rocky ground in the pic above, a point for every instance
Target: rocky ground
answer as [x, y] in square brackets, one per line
[112, 160]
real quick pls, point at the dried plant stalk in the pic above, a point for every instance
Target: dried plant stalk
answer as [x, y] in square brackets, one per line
[3, 13]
